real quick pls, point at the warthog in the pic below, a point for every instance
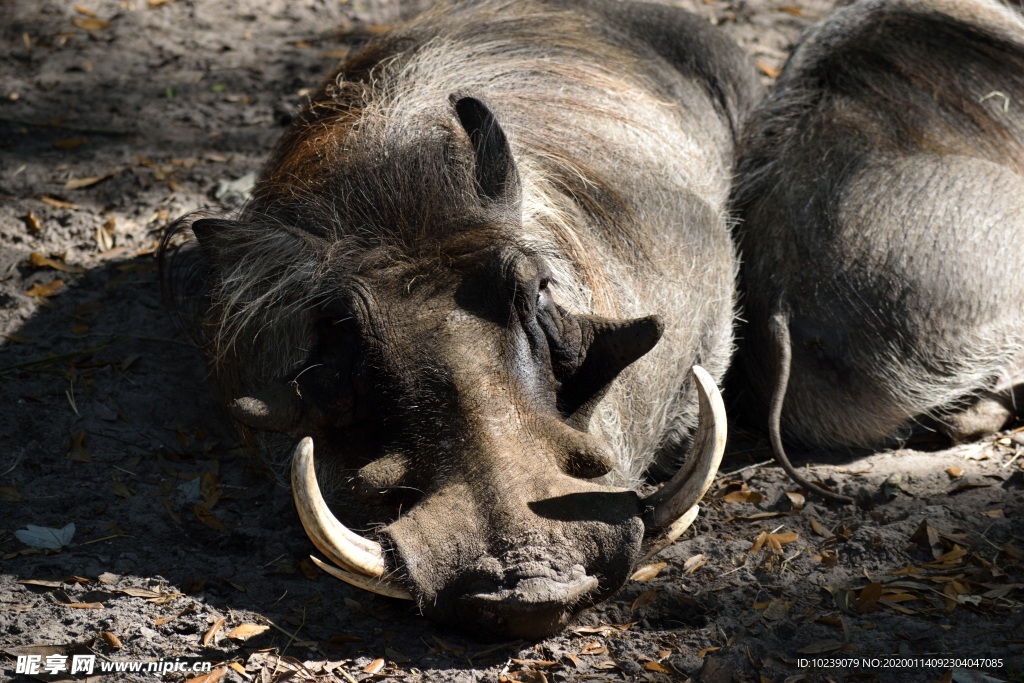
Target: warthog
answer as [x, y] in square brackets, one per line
[453, 277]
[881, 193]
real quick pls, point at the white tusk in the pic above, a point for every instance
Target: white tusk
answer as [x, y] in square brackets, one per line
[341, 546]
[378, 586]
[667, 537]
[683, 491]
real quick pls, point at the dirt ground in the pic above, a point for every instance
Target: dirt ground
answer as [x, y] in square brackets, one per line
[116, 116]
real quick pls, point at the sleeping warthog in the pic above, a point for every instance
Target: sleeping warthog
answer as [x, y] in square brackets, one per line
[453, 276]
[881, 189]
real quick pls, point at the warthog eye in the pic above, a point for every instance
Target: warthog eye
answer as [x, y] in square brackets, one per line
[587, 352]
[564, 356]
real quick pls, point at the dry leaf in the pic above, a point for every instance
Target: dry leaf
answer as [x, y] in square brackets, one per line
[967, 486]
[603, 629]
[46, 538]
[247, 631]
[83, 605]
[748, 496]
[40, 261]
[212, 633]
[648, 572]
[955, 472]
[214, 676]
[90, 23]
[594, 648]
[655, 666]
[1013, 551]
[926, 535]
[111, 640]
[175, 517]
[952, 558]
[701, 653]
[32, 222]
[777, 609]
[121, 489]
[536, 663]
[374, 667]
[45, 290]
[898, 608]
[82, 9]
[88, 181]
[644, 599]
[867, 601]
[59, 203]
[694, 563]
[42, 583]
[9, 494]
[136, 592]
[208, 518]
[754, 517]
[208, 489]
[952, 591]
[829, 558]
[796, 499]
[1002, 591]
[819, 528]
[308, 569]
[105, 235]
[166, 620]
[773, 541]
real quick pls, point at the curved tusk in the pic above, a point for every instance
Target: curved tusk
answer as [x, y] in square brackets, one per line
[684, 490]
[668, 536]
[378, 586]
[333, 538]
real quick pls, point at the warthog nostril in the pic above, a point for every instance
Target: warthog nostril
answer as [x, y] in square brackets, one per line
[529, 608]
[535, 594]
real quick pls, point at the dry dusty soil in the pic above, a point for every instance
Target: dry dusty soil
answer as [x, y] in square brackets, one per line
[116, 116]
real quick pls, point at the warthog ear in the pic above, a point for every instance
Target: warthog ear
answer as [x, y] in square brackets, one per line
[213, 233]
[605, 347]
[496, 176]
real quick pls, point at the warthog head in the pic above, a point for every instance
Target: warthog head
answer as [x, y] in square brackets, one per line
[407, 296]
[462, 405]
[461, 397]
